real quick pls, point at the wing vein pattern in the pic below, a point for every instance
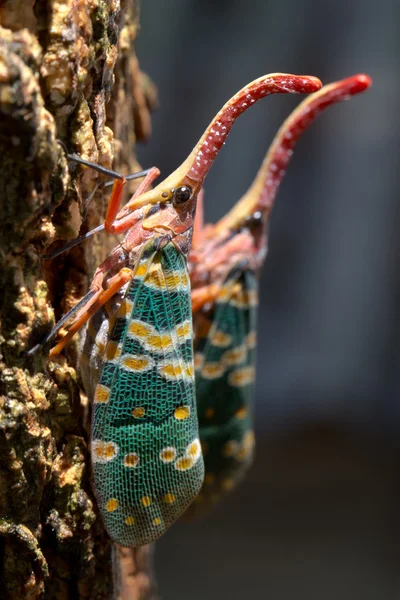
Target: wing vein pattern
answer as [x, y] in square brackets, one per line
[146, 453]
[225, 372]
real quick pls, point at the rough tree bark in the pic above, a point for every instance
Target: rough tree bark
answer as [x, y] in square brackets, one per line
[68, 71]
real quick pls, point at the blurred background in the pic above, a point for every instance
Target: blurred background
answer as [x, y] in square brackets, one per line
[317, 516]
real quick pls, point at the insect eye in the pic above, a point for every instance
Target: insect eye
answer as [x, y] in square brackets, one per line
[254, 220]
[182, 194]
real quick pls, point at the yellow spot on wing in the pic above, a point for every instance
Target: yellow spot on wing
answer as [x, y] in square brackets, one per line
[130, 520]
[137, 363]
[167, 455]
[102, 393]
[192, 455]
[184, 331]
[159, 342]
[193, 450]
[141, 270]
[110, 450]
[169, 499]
[139, 412]
[139, 329]
[131, 460]
[241, 377]
[244, 453]
[244, 298]
[163, 341]
[155, 278]
[175, 370]
[237, 298]
[104, 451]
[221, 339]
[235, 356]
[182, 412]
[112, 504]
[213, 370]
[177, 280]
[184, 463]
[157, 521]
[146, 500]
[241, 413]
[226, 292]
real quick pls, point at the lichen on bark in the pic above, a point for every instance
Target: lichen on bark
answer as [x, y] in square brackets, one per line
[68, 72]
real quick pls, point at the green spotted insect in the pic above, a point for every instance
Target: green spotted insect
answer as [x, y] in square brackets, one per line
[226, 260]
[137, 352]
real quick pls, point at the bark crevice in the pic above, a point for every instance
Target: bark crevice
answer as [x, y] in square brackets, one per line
[68, 71]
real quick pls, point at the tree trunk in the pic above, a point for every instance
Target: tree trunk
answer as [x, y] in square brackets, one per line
[68, 72]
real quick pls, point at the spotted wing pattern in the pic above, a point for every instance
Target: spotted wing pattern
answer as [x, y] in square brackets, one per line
[146, 454]
[225, 368]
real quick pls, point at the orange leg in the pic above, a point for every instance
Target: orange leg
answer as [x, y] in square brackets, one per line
[102, 297]
[119, 221]
[201, 296]
[143, 187]
[114, 203]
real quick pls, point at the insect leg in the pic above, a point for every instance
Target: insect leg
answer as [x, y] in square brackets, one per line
[201, 296]
[114, 284]
[118, 184]
[104, 170]
[96, 288]
[74, 310]
[113, 224]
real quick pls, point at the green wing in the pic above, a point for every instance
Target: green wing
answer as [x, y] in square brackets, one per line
[225, 370]
[146, 453]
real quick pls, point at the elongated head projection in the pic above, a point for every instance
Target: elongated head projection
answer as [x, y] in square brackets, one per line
[261, 195]
[191, 174]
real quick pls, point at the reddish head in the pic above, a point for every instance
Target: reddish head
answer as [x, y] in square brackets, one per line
[170, 206]
[241, 234]
[261, 195]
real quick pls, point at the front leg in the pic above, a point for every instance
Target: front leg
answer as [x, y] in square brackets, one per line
[119, 221]
[99, 299]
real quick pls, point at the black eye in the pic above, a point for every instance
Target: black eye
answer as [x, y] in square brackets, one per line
[181, 194]
[254, 220]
